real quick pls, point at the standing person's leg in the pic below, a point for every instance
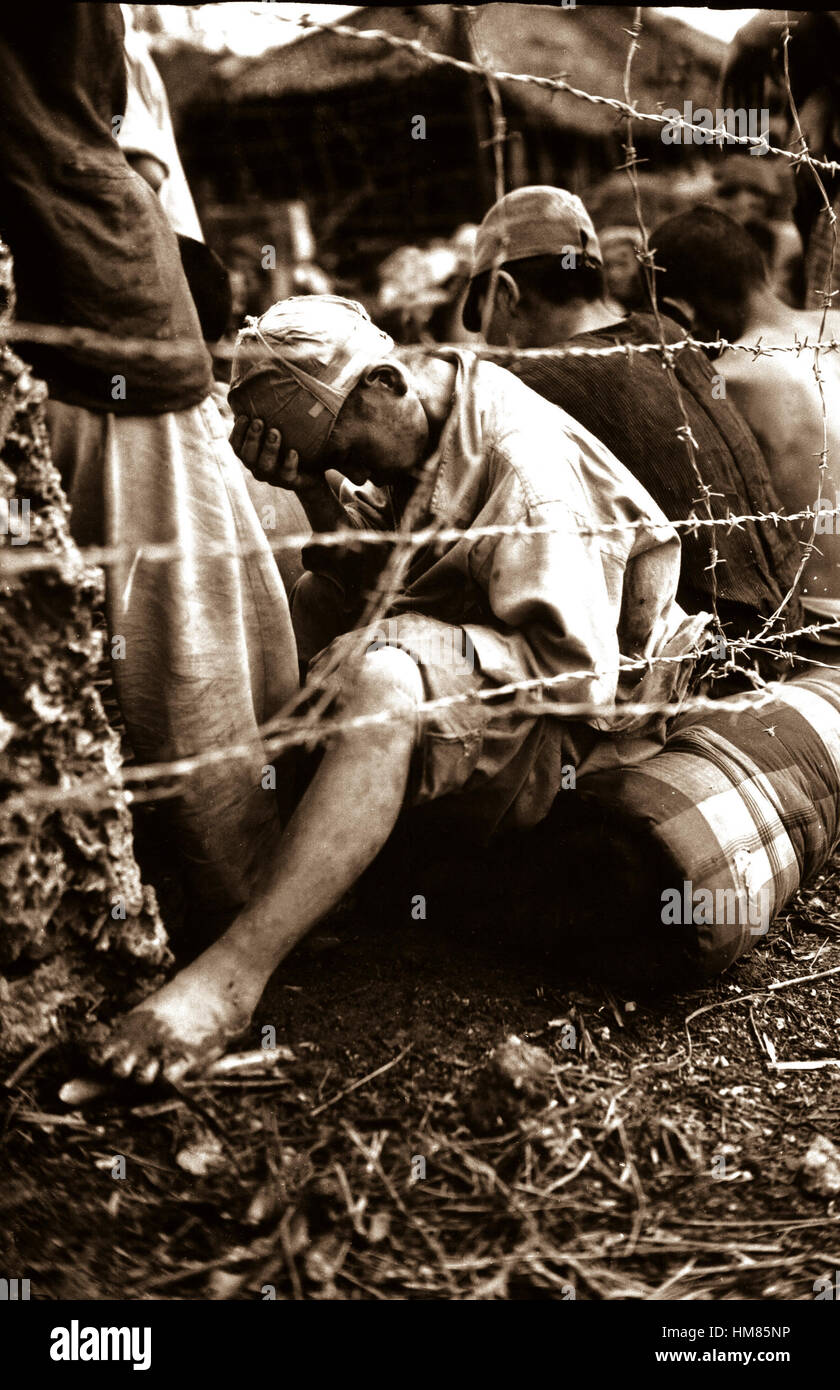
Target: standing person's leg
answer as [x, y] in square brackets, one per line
[207, 651]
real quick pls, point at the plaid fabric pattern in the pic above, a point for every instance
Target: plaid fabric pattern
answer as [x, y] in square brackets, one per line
[746, 807]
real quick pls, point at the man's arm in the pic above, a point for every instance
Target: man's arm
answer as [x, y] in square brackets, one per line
[265, 459]
[352, 569]
[569, 602]
[548, 593]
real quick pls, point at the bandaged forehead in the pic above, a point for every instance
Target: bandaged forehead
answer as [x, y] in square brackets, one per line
[297, 364]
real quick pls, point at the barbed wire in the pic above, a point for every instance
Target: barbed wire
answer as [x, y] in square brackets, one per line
[274, 742]
[827, 294]
[282, 732]
[288, 729]
[711, 134]
[646, 263]
[18, 560]
[93, 340]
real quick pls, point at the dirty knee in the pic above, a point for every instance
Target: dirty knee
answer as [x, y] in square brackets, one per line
[387, 678]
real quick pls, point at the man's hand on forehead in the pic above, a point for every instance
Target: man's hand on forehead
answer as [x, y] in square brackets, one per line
[259, 450]
[262, 453]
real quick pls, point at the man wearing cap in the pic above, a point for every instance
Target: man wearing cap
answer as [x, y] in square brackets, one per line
[540, 244]
[560, 582]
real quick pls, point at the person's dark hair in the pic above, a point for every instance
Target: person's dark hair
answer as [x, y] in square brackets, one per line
[764, 237]
[540, 277]
[711, 261]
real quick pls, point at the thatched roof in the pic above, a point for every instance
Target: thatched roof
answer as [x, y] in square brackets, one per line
[585, 44]
[324, 119]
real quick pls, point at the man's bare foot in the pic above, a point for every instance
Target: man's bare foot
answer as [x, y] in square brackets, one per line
[186, 1025]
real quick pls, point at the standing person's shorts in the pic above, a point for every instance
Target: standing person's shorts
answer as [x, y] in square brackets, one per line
[208, 652]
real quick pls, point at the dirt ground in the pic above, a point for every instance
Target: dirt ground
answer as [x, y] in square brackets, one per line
[656, 1155]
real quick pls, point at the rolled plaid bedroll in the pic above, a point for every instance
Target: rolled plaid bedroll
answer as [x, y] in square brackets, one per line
[727, 822]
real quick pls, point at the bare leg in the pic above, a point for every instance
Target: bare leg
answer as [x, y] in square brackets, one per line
[342, 822]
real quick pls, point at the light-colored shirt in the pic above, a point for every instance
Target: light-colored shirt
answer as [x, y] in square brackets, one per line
[146, 128]
[540, 604]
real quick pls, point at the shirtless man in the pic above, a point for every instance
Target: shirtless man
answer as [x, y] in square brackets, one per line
[714, 275]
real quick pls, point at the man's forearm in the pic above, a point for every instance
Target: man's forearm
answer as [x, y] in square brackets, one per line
[323, 509]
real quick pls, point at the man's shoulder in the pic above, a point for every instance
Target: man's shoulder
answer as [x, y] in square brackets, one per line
[503, 395]
[755, 362]
[512, 400]
[799, 326]
[493, 376]
[808, 323]
[553, 457]
[638, 328]
[632, 340]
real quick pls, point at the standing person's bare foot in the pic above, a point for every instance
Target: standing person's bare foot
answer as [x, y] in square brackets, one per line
[188, 1023]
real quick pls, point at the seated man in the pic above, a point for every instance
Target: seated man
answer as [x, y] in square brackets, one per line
[714, 274]
[550, 292]
[570, 595]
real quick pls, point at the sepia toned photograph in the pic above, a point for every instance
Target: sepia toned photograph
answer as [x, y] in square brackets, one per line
[419, 729]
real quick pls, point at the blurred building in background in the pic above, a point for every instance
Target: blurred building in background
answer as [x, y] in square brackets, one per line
[330, 122]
